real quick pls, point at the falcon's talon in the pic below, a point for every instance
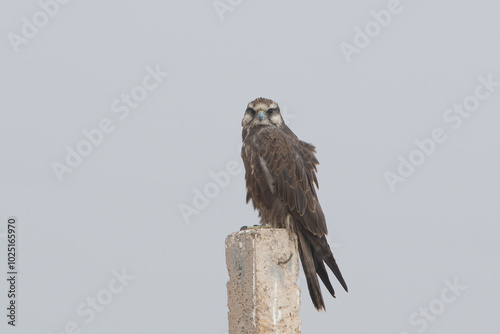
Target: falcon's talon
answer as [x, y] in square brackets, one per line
[254, 227]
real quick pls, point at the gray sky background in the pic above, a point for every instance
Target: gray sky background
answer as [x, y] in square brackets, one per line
[120, 208]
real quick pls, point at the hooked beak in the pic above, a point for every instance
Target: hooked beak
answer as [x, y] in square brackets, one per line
[261, 115]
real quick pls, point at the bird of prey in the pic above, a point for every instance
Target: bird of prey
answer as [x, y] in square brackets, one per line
[280, 174]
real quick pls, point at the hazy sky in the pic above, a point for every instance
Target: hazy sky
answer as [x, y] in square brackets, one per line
[120, 126]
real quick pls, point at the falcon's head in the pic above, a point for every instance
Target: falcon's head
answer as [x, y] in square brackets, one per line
[262, 112]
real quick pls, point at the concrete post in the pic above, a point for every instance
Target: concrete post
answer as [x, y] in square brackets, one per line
[263, 296]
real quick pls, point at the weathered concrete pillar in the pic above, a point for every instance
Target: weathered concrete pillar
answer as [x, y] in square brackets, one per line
[263, 296]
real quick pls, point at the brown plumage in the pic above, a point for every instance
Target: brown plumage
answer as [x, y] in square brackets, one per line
[281, 178]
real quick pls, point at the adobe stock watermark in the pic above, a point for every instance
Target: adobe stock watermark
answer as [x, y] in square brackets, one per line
[454, 118]
[223, 6]
[30, 27]
[210, 190]
[363, 37]
[219, 181]
[98, 302]
[121, 106]
[424, 316]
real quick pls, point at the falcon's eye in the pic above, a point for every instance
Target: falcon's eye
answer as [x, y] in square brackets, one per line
[270, 111]
[251, 111]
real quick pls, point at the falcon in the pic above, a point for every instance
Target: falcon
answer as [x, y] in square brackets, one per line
[280, 175]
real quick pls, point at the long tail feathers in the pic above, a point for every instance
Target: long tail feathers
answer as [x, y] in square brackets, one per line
[309, 270]
[330, 261]
[314, 251]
